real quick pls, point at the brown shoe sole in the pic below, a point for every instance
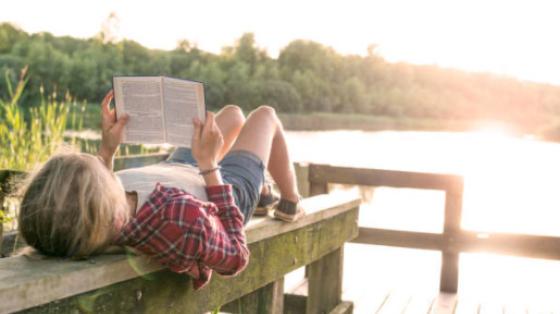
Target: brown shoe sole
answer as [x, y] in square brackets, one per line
[261, 211]
[288, 218]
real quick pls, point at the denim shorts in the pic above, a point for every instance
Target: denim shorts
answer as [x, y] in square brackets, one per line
[242, 169]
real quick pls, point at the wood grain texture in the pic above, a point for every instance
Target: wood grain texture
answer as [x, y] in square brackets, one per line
[343, 308]
[406, 239]
[378, 177]
[444, 303]
[268, 299]
[142, 287]
[449, 278]
[325, 283]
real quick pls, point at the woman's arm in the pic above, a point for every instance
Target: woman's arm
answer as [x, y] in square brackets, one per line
[111, 131]
[207, 143]
[224, 248]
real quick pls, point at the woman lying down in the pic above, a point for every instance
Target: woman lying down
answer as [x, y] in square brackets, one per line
[187, 212]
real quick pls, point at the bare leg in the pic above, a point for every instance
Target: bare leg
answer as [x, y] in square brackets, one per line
[263, 135]
[230, 120]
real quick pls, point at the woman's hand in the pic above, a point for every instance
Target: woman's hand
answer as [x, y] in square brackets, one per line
[207, 142]
[111, 130]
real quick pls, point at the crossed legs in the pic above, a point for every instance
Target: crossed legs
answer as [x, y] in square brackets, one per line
[263, 135]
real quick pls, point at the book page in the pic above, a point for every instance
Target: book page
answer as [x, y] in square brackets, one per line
[141, 99]
[183, 100]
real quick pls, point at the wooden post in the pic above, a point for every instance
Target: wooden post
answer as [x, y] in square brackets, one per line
[315, 188]
[268, 299]
[325, 283]
[449, 279]
[302, 175]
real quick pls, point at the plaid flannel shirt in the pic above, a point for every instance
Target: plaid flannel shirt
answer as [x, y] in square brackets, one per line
[188, 235]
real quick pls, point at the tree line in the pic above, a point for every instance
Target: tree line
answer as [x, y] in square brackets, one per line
[305, 77]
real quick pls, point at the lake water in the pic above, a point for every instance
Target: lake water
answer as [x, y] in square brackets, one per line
[511, 185]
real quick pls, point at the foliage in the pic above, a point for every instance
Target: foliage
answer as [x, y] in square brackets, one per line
[24, 142]
[306, 77]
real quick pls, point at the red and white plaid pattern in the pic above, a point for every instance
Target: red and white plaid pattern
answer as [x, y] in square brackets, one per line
[188, 235]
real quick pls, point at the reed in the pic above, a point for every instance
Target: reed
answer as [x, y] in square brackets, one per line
[29, 138]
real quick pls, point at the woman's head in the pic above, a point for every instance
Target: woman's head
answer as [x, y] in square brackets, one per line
[72, 207]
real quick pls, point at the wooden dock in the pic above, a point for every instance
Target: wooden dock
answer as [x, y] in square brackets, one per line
[449, 303]
[116, 283]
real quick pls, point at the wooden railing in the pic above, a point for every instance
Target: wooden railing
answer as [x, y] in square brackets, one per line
[453, 240]
[133, 284]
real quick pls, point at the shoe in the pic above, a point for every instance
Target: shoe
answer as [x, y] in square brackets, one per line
[266, 202]
[288, 211]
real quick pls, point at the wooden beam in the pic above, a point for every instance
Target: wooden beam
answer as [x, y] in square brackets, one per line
[377, 177]
[343, 308]
[444, 303]
[449, 278]
[325, 283]
[294, 303]
[508, 243]
[465, 241]
[406, 239]
[132, 284]
[268, 299]
[302, 175]
[317, 188]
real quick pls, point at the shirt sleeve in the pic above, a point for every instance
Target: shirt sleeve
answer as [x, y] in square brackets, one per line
[226, 245]
[191, 236]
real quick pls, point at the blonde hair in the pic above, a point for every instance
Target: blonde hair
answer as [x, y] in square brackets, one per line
[72, 207]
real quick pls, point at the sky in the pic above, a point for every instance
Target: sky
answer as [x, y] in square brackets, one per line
[516, 38]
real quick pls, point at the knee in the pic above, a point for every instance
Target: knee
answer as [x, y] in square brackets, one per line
[234, 114]
[265, 112]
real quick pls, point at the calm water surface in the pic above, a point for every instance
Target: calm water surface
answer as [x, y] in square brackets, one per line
[511, 185]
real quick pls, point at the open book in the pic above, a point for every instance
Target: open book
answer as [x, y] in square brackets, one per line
[161, 109]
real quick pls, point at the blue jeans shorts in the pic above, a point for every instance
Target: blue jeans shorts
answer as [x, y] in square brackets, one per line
[242, 169]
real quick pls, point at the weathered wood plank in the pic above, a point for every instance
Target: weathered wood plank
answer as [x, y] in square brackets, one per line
[465, 241]
[466, 307]
[343, 308]
[418, 305]
[406, 239]
[444, 303]
[302, 175]
[508, 243]
[317, 188]
[490, 308]
[509, 309]
[268, 299]
[25, 283]
[294, 303]
[449, 278]
[395, 303]
[377, 177]
[325, 283]
[317, 208]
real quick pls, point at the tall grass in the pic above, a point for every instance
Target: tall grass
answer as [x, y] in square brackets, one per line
[27, 139]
